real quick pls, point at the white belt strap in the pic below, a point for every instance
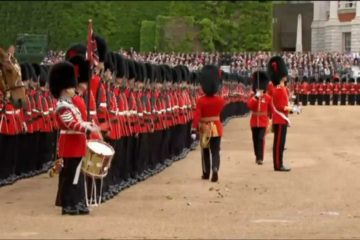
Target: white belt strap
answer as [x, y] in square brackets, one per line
[69, 132]
[281, 114]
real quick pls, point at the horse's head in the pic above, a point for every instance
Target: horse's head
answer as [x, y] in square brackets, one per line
[10, 80]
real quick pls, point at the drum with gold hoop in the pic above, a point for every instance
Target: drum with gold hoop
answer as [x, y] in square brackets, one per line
[97, 160]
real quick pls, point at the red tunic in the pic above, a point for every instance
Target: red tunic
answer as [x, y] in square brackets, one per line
[280, 100]
[71, 116]
[207, 106]
[261, 110]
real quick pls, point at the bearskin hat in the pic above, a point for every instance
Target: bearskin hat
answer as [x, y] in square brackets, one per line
[352, 80]
[24, 72]
[101, 47]
[358, 80]
[31, 72]
[139, 73]
[61, 76]
[150, 70]
[108, 63]
[131, 69]
[120, 66]
[210, 76]
[304, 79]
[36, 68]
[176, 74]
[168, 76]
[76, 49]
[343, 79]
[277, 69]
[260, 80]
[43, 76]
[82, 69]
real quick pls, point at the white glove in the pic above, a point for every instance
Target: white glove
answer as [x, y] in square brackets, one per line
[258, 93]
[296, 109]
[193, 136]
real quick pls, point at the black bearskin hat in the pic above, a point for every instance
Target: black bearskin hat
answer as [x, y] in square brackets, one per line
[131, 69]
[260, 80]
[82, 69]
[150, 70]
[210, 79]
[24, 72]
[352, 80]
[61, 76]
[43, 76]
[304, 79]
[36, 68]
[77, 49]
[101, 47]
[108, 63]
[120, 66]
[31, 72]
[277, 69]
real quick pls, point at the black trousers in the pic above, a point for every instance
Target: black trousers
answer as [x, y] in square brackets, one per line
[258, 136]
[70, 195]
[335, 99]
[327, 99]
[304, 99]
[214, 149]
[131, 156]
[320, 99]
[343, 98]
[9, 156]
[279, 144]
[312, 99]
[357, 99]
[351, 99]
[45, 150]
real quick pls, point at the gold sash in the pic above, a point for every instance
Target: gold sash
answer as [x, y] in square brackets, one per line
[208, 130]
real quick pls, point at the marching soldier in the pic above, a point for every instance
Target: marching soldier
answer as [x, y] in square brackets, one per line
[328, 91]
[352, 92]
[207, 120]
[321, 88]
[344, 91]
[336, 91]
[304, 91]
[313, 91]
[260, 105]
[358, 91]
[278, 75]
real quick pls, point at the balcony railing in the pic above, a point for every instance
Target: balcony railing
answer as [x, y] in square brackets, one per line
[346, 5]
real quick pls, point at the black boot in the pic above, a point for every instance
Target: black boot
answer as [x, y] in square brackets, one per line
[283, 169]
[205, 176]
[214, 177]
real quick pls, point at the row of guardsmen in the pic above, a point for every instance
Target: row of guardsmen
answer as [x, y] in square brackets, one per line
[144, 111]
[327, 91]
[28, 135]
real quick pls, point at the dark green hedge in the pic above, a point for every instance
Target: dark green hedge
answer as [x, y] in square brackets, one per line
[237, 25]
[147, 36]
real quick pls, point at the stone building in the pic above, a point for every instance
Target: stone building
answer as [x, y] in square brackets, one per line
[336, 26]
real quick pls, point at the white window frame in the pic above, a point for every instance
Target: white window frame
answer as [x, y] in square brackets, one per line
[343, 5]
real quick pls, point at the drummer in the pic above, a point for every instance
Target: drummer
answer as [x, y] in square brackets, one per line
[70, 115]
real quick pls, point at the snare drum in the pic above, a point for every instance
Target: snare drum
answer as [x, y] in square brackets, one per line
[97, 160]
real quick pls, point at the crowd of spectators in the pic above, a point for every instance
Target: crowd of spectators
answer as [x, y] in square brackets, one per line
[244, 63]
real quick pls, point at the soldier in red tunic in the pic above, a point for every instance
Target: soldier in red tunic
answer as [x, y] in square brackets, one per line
[304, 91]
[207, 120]
[344, 91]
[336, 90]
[71, 118]
[278, 75]
[357, 91]
[260, 105]
[352, 92]
[328, 91]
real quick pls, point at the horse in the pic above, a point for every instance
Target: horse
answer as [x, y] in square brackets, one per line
[11, 85]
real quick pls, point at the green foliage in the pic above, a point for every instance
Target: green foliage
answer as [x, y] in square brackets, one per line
[175, 33]
[147, 36]
[235, 25]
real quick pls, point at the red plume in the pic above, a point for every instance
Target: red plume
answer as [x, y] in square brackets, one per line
[274, 66]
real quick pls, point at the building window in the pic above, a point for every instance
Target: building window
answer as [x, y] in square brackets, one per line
[346, 5]
[347, 42]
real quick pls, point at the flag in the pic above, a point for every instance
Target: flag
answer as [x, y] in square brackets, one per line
[91, 53]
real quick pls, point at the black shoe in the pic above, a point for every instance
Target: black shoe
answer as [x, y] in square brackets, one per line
[259, 162]
[283, 169]
[84, 211]
[214, 177]
[70, 211]
[205, 176]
